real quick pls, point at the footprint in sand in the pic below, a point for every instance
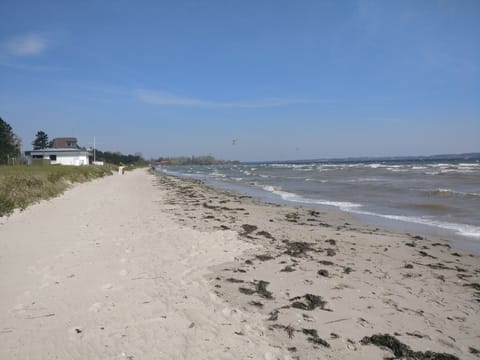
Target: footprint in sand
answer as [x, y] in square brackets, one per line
[95, 307]
[351, 347]
[123, 272]
[107, 287]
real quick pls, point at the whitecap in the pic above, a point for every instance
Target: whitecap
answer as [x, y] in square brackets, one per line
[345, 206]
[460, 229]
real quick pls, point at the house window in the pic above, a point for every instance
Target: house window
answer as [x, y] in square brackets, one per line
[53, 157]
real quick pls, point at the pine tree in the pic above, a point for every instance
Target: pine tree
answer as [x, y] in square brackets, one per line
[9, 143]
[41, 141]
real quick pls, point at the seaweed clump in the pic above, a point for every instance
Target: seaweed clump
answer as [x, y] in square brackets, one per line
[248, 229]
[260, 289]
[264, 257]
[297, 248]
[402, 351]
[314, 338]
[323, 272]
[310, 302]
[288, 268]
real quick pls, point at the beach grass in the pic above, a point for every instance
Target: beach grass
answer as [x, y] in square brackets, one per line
[22, 185]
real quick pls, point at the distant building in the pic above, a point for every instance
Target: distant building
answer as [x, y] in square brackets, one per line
[64, 151]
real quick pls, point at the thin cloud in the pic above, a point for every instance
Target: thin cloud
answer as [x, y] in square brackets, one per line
[26, 45]
[167, 99]
[29, 67]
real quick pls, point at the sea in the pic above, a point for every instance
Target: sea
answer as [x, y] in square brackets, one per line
[427, 197]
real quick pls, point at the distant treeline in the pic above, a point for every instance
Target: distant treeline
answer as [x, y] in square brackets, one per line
[194, 160]
[118, 158]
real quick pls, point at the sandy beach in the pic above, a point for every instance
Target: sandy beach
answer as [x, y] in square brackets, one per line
[145, 266]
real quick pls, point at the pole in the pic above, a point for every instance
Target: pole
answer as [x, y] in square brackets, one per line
[94, 158]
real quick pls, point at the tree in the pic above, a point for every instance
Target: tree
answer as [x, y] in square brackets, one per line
[41, 141]
[9, 143]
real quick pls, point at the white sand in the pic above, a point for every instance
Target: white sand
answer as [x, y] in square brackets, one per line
[101, 273]
[154, 267]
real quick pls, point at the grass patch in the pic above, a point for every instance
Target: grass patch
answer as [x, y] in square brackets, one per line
[22, 185]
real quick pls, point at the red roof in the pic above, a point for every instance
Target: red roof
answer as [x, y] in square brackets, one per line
[65, 143]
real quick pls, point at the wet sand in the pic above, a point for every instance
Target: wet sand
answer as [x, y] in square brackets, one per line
[145, 266]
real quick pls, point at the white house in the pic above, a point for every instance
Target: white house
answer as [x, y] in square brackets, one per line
[64, 151]
[75, 157]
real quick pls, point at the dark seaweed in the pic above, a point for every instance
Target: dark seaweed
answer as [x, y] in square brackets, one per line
[322, 272]
[246, 291]
[260, 289]
[325, 262]
[273, 315]
[331, 242]
[264, 257]
[402, 351]
[265, 234]
[314, 338]
[298, 248]
[256, 303]
[248, 229]
[331, 252]
[310, 302]
[423, 253]
[472, 350]
[475, 286]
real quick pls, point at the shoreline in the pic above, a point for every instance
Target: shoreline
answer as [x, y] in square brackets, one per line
[461, 235]
[148, 266]
[375, 281]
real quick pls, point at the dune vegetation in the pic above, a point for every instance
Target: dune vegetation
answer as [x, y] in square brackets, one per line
[22, 185]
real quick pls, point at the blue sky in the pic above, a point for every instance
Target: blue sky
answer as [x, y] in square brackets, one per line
[286, 79]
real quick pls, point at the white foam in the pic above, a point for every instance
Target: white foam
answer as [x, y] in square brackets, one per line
[460, 229]
[344, 206]
[459, 193]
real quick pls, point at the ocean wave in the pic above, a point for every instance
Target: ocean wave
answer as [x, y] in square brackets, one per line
[362, 180]
[449, 192]
[323, 181]
[217, 175]
[344, 206]
[460, 229]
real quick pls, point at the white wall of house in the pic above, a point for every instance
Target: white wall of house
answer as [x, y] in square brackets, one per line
[62, 158]
[70, 160]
